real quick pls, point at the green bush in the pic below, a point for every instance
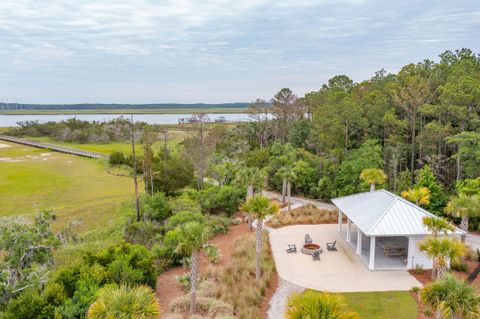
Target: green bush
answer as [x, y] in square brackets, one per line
[184, 217]
[212, 253]
[155, 207]
[117, 158]
[459, 266]
[142, 233]
[31, 304]
[219, 224]
[184, 203]
[221, 199]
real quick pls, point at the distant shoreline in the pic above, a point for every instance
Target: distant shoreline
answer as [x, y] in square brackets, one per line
[126, 111]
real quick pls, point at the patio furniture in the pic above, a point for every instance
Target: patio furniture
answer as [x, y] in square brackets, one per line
[291, 248]
[393, 250]
[316, 256]
[331, 246]
[308, 239]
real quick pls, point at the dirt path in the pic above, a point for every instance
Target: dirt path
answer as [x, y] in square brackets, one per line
[168, 288]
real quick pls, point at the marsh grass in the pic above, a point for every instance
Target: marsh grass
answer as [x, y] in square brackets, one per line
[72, 186]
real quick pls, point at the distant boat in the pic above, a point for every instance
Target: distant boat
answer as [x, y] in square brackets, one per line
[220, 119]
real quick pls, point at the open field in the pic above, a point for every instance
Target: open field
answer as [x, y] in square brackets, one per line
[127, 111]
[74, 187]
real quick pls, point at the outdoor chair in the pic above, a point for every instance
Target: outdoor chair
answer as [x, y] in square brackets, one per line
[291, 248]
[316, 256]
[308, 239]
[331, 246]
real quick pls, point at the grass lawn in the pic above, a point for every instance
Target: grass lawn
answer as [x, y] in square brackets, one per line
[74, 187]
[383, 304]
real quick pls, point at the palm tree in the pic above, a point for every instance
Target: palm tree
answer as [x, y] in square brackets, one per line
[193, 236]
[251, 177]
[437, 225]
[288, 175]
[420, 196]
[260, 207]
[125, 302]
[317, 305]
[465, 207]
[442, 250]
[373, 176]
[450, 297]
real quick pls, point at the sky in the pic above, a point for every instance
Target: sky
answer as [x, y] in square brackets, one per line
[192, 51]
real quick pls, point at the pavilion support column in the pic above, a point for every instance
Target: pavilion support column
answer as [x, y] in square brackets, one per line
[359, 241]
[349, 230]
[371, 260]
[340, 218]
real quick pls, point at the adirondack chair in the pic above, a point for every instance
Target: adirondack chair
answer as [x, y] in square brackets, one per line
[331, 246]
[316, 256]
[308, 239]
[291, 248]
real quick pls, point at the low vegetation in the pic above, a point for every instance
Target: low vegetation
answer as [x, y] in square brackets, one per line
[231, 291]
[303, 215]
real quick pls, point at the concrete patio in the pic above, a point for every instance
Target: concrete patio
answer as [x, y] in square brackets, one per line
[338, 271]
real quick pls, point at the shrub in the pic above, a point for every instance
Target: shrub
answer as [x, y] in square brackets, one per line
[184, 203]
[428, 313]
[415, 289]
[184, 280]
[419, 269]
[218, 224]
[212, 253]
[117, 158]
[222, 199]
[182, 218]
[155, 207]
[208, 307]
[127, 264]
[142, 233]
[459, 266]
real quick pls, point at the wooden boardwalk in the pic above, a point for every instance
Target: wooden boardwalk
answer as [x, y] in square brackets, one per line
[53, 147]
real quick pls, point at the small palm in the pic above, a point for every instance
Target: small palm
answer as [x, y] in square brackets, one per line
[315, 305]
[452, 298]
[125, 303]
[373, 176]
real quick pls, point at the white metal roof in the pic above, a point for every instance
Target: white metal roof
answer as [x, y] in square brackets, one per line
[381, 213]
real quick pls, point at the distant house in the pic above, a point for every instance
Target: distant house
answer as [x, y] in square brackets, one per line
[384, 229]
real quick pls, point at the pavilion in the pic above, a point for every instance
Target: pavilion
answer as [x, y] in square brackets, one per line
[384, 229]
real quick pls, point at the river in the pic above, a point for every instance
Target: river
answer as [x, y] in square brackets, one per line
[12, 120]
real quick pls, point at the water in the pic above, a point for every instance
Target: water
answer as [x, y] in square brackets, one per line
[11, 120]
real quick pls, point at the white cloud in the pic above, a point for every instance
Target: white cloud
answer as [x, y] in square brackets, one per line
[258, 44]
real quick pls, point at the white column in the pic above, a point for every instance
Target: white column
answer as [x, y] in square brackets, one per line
[340, 217]
[359, 241]
[371, 261]
[349, 230]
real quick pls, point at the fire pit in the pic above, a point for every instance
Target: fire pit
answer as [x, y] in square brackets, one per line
[309, 249]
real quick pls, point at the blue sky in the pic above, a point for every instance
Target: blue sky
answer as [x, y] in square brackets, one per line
[142, 51]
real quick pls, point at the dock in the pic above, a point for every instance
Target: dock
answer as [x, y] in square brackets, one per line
[53, 147]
